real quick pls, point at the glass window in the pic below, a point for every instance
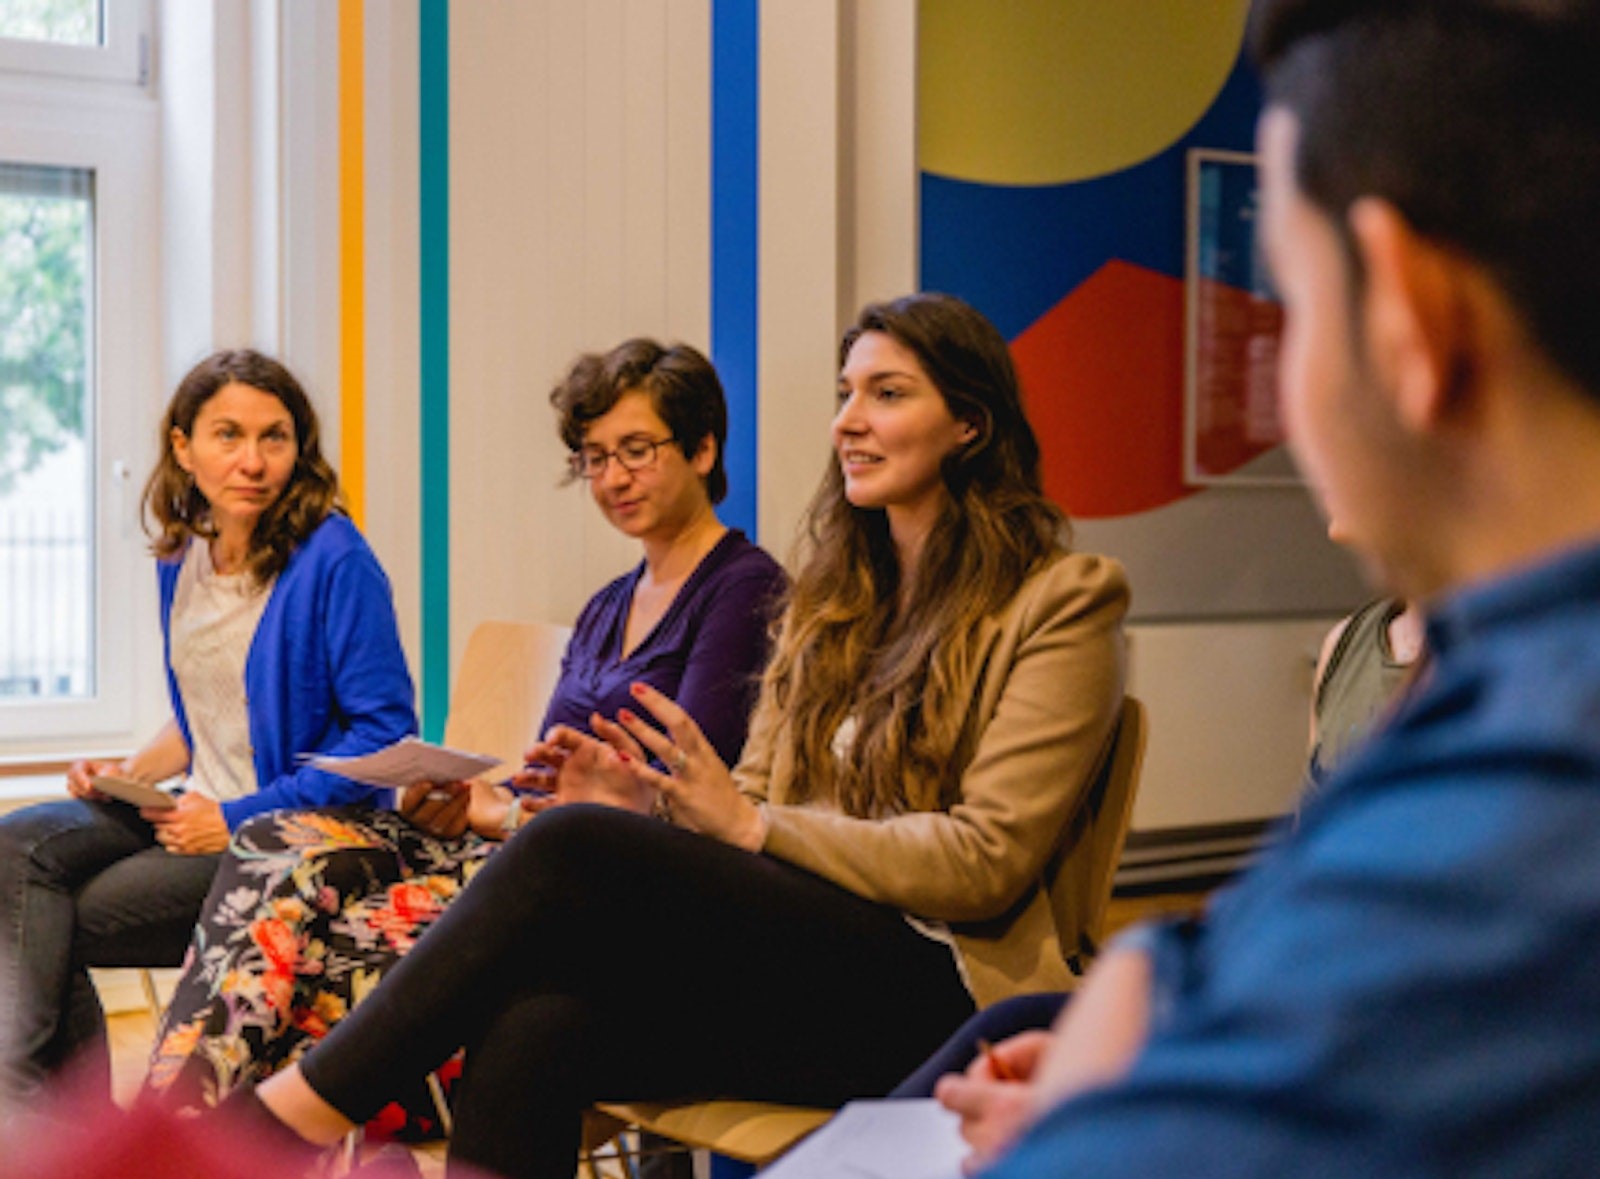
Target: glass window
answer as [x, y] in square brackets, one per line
[86, 40]
[79, 369]
[65, 22]
[46, 444]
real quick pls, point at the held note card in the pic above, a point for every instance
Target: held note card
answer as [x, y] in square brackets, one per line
[407, 761]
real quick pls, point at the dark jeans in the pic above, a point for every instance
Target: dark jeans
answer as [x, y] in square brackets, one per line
[602, 954]
[81, 884]
[1020, 1013]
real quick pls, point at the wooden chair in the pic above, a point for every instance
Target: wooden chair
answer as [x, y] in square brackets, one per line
[507, 673]
[758, 1132]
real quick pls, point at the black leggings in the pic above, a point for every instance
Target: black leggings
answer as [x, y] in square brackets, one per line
[603, 955]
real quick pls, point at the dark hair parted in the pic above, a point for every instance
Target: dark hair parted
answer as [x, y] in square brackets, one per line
[1477, 119]
[682, 386]
[180, 512]
[896, 661]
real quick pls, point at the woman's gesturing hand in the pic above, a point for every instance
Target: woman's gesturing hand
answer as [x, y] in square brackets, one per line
[698, 788]
[586, 770]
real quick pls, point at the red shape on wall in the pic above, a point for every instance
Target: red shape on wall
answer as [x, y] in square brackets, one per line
[1102, 372]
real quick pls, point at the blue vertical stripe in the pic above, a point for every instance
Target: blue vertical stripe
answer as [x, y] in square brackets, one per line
[434, 344]
[735, 240]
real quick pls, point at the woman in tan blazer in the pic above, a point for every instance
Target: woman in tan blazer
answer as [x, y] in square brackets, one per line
[894, 849]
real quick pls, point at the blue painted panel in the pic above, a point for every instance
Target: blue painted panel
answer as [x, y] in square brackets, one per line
[1015, 252]
[736, 241]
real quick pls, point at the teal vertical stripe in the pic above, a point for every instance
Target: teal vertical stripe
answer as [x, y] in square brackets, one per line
[434, 343]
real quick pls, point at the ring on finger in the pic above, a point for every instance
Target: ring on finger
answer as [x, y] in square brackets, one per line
[679, 761]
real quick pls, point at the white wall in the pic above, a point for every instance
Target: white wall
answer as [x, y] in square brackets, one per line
[580, 149]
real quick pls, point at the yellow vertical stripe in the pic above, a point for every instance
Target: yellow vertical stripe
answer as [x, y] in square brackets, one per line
[352, 261]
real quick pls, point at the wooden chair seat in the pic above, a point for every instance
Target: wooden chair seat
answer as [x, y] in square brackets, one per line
[751, 1131]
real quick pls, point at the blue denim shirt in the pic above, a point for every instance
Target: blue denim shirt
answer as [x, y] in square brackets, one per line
[1409, 985]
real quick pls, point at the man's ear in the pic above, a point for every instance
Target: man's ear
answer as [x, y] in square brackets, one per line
[1417, 315]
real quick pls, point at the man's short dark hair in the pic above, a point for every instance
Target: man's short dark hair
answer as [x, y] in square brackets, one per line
[1479, 120]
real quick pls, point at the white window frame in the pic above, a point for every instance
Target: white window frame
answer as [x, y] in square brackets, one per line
[122, 56]
[116, 135]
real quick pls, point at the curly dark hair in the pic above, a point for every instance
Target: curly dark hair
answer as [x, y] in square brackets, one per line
[682, 386]
[175, 504]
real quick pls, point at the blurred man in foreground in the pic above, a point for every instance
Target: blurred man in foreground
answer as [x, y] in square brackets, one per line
[1407, 986]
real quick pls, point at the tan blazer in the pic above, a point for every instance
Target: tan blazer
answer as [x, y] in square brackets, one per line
[999, 867]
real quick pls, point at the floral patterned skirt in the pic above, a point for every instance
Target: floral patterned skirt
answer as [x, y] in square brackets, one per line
[309, 911]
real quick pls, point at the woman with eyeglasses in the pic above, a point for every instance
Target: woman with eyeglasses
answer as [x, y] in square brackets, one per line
[313, 908]
[906, 837]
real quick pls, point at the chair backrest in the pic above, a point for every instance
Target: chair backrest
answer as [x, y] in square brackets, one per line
[507, 674]
[1121, 777]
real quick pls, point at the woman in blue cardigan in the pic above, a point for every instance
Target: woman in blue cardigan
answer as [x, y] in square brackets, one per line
[279, 639]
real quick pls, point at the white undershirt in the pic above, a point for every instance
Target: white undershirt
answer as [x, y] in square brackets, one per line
[214, 619]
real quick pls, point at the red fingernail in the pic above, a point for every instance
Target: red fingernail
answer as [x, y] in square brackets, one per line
[623, 756]
[637, 689]
[624, 715]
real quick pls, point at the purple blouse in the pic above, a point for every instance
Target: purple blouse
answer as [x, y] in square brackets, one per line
[706, 652]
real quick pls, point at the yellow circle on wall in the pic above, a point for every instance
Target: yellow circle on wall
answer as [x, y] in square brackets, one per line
[1051, 91]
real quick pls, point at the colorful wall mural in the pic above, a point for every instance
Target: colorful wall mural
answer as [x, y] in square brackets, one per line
[1053, 139]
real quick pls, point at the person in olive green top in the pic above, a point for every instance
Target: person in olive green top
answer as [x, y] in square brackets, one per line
[1366, 660]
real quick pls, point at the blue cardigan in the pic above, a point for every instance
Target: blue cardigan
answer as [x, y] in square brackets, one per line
[325, 673]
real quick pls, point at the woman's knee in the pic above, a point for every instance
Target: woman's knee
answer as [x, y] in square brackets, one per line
[313, 851]
[22, 830]
[574, 842]
[67, 838]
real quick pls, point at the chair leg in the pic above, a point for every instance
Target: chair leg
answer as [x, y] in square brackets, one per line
[350, 1150]
[626, 1148]
[440, 1106]
[151, 995]
[591, 1165]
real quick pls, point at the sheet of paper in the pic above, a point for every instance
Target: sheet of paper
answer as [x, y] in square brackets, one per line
[408, 760]
[879, 1140]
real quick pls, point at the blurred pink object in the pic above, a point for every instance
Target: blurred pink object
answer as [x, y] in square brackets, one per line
[75, 1136]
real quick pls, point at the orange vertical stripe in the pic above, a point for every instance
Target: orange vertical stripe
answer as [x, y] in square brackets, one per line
[352, 260]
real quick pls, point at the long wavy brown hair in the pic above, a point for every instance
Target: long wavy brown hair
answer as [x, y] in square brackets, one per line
[896, 661]
[178, 510]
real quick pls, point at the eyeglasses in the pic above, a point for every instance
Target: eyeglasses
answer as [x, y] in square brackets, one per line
[635, 453]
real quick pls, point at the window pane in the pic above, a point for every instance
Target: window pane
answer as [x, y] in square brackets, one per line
[46, 444]
[66, 22]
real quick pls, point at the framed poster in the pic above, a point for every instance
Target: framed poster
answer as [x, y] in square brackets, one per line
[1233, 322]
